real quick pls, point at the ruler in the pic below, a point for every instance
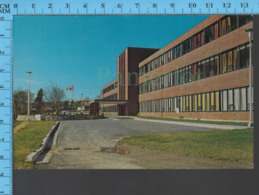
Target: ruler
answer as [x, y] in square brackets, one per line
[81, 7]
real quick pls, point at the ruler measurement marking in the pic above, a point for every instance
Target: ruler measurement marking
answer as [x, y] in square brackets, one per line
[7, 155]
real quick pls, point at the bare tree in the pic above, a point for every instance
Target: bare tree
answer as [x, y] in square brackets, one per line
[54, 96]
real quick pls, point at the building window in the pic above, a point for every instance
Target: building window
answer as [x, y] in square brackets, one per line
[224, 100]
[184, 104]
[199, 102]
[230, 100]
[195, 101]
[181, 104]
[175, 100]
[198, 71]
[162, 82]
[199, 40]
[187, 46]
[230, 61]
[224, 63]
[231, 23]
[243, 56]
[190, 103]
[244, 19]
[170, 55]
[166, 80]
[237, 99]
[223, 27]
[172, 104]
[181, 76]
[187, 103]
[207, 101]
[192, 73]
[207, 68]
[212, 101]
[216, 65]
[203, 69]
[235, 59]
[217, 100]
[209, 34]
[176, 76]
[212, 67]
[228, 24]
[169, 81]
[203, 102]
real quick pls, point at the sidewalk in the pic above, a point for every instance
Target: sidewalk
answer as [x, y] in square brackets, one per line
[206, 125]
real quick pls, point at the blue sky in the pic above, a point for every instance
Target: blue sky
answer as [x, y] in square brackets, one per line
[84, 49]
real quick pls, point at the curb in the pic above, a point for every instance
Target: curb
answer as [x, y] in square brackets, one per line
[55, 139]
[34, 155]
[213, 126]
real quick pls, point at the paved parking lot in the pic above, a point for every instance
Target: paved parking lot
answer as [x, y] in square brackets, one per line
[86, 137]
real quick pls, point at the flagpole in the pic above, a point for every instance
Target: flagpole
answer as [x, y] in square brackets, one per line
[73, 90]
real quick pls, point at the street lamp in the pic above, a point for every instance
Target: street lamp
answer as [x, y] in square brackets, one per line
[28, 112]
[82, 95]
[250, 124]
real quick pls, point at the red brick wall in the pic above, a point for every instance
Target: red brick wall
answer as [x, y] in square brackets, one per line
[238, 78]
[94, 108]
[226, 42]
[183, 37]
[127, 66]
[231, 116]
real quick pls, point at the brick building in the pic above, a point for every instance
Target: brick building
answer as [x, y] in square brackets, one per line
[203, 74]
[125, 87]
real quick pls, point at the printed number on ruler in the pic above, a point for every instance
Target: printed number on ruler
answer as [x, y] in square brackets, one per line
[62, 7]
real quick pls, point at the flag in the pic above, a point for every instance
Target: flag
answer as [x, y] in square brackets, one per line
[70, 88]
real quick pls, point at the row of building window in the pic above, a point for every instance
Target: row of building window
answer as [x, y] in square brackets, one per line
[237, 99]
[111, 97]
[219, 28]
[111, 87]
[109, 109]
[233, 59]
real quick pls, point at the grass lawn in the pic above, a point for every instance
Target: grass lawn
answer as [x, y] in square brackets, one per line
[28, 137]
[232, 145]
[197, 121]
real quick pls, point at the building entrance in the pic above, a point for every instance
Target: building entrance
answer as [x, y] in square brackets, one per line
[121, 110]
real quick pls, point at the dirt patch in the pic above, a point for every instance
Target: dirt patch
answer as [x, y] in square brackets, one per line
[155, 159]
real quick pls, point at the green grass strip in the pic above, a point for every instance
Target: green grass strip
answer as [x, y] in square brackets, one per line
[233, 145]
[29, 139]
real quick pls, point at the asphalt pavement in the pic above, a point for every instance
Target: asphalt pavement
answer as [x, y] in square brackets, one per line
[79, 142]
